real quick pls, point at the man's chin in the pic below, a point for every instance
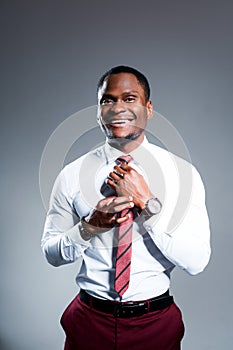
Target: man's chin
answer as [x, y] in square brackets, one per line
[127, 138]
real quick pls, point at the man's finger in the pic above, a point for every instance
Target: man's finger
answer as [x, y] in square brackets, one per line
[107, 200]
[113, 200]
[113, 175]
[125, 167]
[123, 219]
[119, 170]
[112, 183]
[118, 208]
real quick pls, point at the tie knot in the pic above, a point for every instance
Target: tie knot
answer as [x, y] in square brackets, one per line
[124, 159]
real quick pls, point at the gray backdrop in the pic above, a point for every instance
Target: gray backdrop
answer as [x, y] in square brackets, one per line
[53, 53]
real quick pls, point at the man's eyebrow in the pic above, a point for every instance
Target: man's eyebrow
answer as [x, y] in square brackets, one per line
[107, 96]
[131, 92]
[113, 97]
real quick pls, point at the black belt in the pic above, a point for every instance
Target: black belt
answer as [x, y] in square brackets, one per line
[127, 309]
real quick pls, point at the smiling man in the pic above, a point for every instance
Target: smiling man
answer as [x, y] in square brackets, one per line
[115, 222]
[125, 108]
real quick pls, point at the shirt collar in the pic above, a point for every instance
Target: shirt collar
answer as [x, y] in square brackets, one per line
[112, 153]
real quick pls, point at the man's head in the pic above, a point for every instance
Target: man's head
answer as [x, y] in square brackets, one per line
[126, 69]
[124, 105]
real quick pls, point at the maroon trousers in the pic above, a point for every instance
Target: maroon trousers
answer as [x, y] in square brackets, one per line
[89, 329]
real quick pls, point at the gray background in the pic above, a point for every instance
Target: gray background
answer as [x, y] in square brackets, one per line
[53, 53]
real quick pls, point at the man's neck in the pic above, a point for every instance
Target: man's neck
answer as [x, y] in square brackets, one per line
[126, 146]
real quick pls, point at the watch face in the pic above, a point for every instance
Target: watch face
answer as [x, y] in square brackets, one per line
[154, 206]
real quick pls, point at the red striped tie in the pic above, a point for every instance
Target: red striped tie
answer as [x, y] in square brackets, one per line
[124, 248]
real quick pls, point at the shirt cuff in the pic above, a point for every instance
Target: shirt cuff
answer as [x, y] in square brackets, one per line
[75, 236]
[150, 223]
[156, 225]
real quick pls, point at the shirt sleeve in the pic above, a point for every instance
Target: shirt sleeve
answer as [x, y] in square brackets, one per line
[188, 245]
[61, 241]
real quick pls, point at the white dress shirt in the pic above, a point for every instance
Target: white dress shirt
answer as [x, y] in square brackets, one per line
[178, 236]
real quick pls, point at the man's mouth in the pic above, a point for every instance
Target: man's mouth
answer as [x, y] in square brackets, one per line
[120, 121]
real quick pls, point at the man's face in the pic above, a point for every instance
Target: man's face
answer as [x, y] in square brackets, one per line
[123, 109]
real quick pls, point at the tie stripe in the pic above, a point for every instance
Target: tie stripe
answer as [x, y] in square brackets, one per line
[122, 280]
[124, 252]
[124, 248]
[125, 233]
[124, 269]
[124, 288]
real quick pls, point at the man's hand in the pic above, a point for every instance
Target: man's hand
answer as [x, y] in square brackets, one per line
[128, 182]
[106, 213]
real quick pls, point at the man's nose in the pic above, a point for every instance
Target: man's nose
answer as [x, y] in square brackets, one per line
[118, 107]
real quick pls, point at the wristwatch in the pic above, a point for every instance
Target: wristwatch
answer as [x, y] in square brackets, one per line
[153, 207]
[85, 234]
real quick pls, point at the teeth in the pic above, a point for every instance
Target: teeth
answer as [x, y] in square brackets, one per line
[122, 121]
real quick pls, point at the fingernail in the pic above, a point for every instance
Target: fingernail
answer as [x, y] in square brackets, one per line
[131, 204]
[130, 198]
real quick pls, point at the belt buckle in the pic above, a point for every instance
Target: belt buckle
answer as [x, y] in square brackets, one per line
[117, 310]
[129, 310]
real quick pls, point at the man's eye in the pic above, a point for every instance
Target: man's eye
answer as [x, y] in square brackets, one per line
[130, 99]
[107, 101]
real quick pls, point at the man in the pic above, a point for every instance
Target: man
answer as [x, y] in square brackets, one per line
[112, 208]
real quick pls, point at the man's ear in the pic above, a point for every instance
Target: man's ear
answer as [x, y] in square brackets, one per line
[98, 115]
[150, 111]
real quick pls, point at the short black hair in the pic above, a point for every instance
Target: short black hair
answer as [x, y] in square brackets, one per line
[126, 69]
